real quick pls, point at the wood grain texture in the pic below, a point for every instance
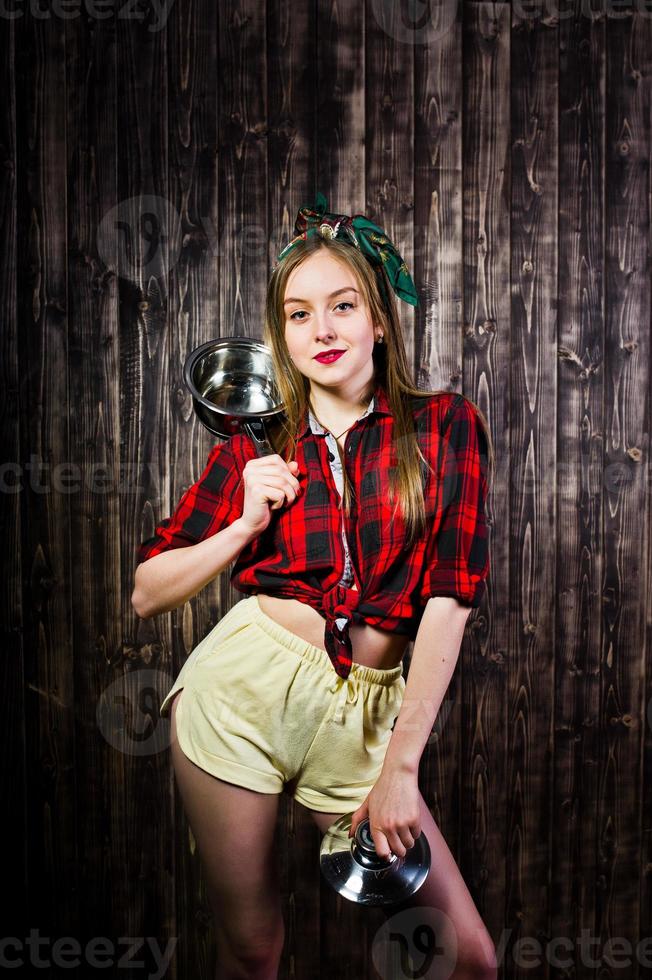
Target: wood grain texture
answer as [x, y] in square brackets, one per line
[626, 588]
[13, 905]
[94, 429]
[292, 107]
[389, 135]
[532, 423]
[42, 312]
[340, 122]
[149, 179]
[644, 778]
[142, 243]
[243, 195]
[438, 338]
[438, 218]
[579, 485]
[481, 365]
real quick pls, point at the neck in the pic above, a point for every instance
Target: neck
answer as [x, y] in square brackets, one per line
[335, 411]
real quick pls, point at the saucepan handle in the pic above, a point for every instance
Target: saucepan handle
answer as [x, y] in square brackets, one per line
[255, 428]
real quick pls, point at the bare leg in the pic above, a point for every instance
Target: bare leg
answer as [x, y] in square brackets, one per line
[234, 829]
[445, 889]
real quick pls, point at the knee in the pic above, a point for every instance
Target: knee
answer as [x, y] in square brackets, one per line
[249, 965]
[253, 956]
[473, 970]
[477, 960]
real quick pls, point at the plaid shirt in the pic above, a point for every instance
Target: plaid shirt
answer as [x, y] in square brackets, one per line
[300, 555]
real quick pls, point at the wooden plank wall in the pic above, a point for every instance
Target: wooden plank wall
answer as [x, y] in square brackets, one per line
[152, 166]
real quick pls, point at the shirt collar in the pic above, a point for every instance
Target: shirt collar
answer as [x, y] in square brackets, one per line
[378, 404]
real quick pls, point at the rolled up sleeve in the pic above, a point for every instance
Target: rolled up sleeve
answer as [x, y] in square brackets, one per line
[457, 548]
[208, 506]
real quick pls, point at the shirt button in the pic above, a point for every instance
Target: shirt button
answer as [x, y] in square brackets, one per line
[331, 457]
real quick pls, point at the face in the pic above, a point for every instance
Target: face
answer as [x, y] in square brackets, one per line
[325, 312]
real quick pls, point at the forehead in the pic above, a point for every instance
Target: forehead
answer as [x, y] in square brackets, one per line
[318, 276]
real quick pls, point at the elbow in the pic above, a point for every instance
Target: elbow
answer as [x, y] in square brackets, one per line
[139, 601]
[451, 605]
[140, 606]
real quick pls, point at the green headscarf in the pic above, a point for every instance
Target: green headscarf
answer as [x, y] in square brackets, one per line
[359, 231]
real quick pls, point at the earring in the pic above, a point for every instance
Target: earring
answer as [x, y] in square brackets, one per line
[380, 339]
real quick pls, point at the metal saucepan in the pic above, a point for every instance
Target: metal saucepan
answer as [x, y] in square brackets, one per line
[233, 390]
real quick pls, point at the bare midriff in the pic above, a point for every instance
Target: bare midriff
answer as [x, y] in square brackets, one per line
[371, 646]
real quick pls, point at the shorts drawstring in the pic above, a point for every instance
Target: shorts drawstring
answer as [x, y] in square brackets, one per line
[346, 686]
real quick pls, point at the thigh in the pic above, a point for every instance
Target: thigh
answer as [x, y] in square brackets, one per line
[234, 829]
[445, 889]
[324, 820]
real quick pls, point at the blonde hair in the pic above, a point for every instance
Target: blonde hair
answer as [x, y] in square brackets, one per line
[391, 369]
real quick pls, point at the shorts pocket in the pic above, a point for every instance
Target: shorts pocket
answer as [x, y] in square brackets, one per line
[379, 717]
[221, 638]
[247, 673]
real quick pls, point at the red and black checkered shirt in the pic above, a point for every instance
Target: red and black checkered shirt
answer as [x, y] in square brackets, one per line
[300, 555]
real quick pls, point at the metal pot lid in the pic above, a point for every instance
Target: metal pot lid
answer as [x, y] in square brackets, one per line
[353, 868]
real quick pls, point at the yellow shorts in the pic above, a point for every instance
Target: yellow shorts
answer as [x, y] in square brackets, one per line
[263, 708]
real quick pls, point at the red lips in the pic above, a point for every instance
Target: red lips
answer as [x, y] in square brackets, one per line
[329, 356]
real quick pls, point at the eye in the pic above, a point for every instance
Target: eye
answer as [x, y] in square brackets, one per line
[299, 319]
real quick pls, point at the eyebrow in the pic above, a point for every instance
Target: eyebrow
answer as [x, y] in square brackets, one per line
[345, 289]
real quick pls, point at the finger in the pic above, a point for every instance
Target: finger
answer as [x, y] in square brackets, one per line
[406, 839]
[358, 816]
[274, 472]
[269, 495]
[291, 489]
[396, 844]
[273, 463]
[276, 494]
[382, 845]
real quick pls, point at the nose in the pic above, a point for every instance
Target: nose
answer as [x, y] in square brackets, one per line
[324, 329]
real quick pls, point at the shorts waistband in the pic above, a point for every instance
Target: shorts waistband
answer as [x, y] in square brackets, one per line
[250, 608]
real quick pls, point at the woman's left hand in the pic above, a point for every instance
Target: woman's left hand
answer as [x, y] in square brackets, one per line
[393, 809]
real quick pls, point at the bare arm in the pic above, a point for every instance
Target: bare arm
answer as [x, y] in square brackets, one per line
[169, 579]
[436, 650]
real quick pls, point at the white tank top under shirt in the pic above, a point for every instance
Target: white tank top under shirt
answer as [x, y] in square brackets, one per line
[338, 476]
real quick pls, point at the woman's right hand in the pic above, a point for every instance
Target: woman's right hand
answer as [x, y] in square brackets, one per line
[269, 482]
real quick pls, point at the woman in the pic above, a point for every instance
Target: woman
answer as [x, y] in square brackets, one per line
[365, 530]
